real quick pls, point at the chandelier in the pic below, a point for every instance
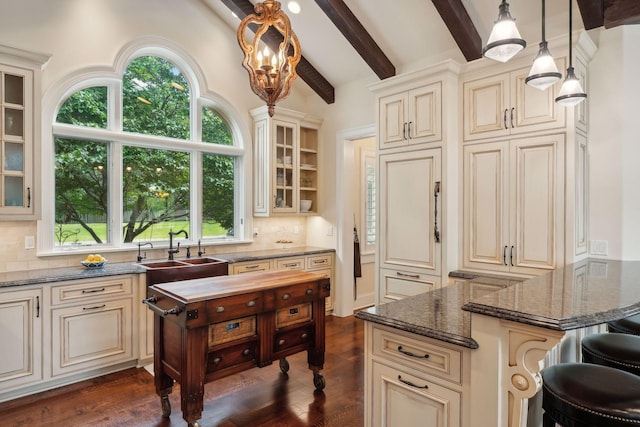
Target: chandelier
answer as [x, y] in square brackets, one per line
[273, 53]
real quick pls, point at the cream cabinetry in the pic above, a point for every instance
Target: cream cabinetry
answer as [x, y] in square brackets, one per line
[412, 380]
[514, 204]
[21, 337]
[410, 117]
[503, 104]
[286, 162]
[249, 266]
[398, 284]
[19, 132]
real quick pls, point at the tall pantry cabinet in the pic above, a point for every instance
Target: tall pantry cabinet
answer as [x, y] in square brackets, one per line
[413, 129]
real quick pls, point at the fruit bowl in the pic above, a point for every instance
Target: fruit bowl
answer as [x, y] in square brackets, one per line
[93, 264]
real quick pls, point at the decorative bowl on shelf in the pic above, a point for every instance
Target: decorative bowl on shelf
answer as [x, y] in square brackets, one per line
[93, 264]
[305, 205]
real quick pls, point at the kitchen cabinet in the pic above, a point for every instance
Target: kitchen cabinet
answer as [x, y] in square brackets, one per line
[21, 337]
[411, 380]
[19, 132]
[410, 117]
[514, 205]
[91, 324]
[286, 162]
[398, 284]
[503, 104]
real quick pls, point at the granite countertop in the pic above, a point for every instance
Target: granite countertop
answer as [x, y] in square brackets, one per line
[52, 275]
[590, 292]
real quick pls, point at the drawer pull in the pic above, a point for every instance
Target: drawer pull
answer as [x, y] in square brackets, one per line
[309, 291]
[281, 342]
[293, 311]
[219, 309]
[411, 276]
[91, 291]
[304, 336]
[293, 264]
[251, 303]
[286, 296]
[246, 352]
[408, 353]
[409, 383]
[319, 261]
[217, 360]
[232, 326]
[151, 302]
[95, 307]
[251, 267]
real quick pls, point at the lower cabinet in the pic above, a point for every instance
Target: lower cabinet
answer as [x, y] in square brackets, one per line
[397, 284]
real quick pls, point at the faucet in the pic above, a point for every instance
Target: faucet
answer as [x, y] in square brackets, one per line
[201, 251]
[140, 257]
[172, 251]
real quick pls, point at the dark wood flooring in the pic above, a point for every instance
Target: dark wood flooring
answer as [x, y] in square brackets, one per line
[257, 397]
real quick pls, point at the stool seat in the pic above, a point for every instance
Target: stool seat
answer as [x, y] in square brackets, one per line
[628, 325]
[586, 395]
[621, 351]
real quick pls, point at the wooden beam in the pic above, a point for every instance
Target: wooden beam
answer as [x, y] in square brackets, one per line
[355, 33]
[305, 70]
[592, 12]
[621, 12]
[461, 27]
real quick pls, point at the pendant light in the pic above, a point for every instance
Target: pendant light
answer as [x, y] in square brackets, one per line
[571, 92]
[544, 72]
[504, 41]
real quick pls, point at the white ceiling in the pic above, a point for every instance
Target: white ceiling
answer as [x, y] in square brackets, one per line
[411, 33]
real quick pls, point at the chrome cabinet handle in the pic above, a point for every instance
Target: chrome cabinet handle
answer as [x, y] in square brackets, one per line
[411, 276]
[410, 137]
[408, 353]
[409, 383]
[504, 255]
[504, 119]
[511, 256]
[512, 109]
[436, 192]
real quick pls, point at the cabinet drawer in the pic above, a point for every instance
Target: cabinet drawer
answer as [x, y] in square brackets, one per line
[319, 261]
[428, 357]
[396, 285]
[293, 315]
[288, 339]
[231, 356]
[250, 267]
[290, 263]
[86, 290]
[231, 330]
[234, 307]
[296, 294]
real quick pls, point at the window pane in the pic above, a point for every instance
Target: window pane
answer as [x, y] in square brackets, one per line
[218, 190]
[214, 128]
[87, 107]
[81, 192]
[155, 98]
[155, 193]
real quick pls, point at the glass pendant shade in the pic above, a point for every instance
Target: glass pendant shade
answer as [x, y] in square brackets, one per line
[544, 72]
[571, 92]
[504, 41]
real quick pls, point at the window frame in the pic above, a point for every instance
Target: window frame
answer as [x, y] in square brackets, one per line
[116, 138]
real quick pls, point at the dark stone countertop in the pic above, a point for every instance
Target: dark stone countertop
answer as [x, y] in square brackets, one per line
[271, 253]
[589, 292]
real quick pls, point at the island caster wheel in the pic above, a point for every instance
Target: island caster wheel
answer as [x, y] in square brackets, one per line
[319, 381]
[194, 424]
[284, 365]
[166, 406]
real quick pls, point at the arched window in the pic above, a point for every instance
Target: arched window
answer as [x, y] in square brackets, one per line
[142, 155]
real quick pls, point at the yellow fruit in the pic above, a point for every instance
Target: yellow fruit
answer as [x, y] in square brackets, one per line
[90, 258]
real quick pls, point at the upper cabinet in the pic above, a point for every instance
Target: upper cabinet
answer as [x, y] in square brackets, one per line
[410, 117]
[19, 131]
[503, 104]
[286, 167]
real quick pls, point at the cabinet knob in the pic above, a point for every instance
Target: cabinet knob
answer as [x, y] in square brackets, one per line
[219, 309]
[251, 303]
[309, 291]
[281, 342]
[304, 336]
[286, 296]
[217, 360]
[246, 352]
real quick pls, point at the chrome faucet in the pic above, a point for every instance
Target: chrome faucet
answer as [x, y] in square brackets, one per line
[140, 256]
[172, 251]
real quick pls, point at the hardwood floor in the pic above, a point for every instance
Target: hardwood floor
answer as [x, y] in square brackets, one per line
[259, 397]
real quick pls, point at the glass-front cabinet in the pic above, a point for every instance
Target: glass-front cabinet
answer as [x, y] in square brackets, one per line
[19, 121]
[285, 155]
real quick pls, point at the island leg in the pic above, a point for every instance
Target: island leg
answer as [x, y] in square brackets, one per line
[194, 361]
[163, 382]
[315, 354]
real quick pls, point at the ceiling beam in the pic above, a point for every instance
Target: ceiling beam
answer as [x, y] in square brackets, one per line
[610, 13]
[592, 12]
[461, 27]
[272, 38]
[355, 33]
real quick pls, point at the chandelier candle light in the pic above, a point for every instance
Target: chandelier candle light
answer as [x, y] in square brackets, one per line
[270, 74]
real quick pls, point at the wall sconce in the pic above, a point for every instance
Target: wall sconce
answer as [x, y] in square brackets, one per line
[270, 74]
[504, 41]
[571, 92]
[544, 72]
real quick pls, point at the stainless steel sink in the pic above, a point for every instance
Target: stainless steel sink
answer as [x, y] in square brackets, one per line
[184, 269]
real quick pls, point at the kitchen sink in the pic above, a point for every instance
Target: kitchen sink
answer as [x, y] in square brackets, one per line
[184, 269]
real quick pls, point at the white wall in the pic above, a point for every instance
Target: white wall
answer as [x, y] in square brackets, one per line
[614, 142]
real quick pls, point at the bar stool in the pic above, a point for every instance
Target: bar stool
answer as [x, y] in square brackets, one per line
[628, 325]
[587, 395]
[621, 351]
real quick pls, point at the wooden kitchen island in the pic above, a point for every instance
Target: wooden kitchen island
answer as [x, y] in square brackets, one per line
[209, 328]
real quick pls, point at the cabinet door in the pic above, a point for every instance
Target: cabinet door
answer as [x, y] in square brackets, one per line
[486, 224]
[402, 399]
[409, 211]
[425, 114]
[393, 112]
[285, 172]
[486, 107]
[536, 203]
[76, 346]
[21, 338]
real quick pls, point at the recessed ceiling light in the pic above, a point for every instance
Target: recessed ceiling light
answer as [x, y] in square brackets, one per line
[294, 7]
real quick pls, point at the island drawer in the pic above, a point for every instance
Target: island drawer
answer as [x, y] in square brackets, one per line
[293, 315]
[291, 338]
[231, 356]
[233, 307]
[78, 291]
[430, 356]
[296, 294]
[231, 330]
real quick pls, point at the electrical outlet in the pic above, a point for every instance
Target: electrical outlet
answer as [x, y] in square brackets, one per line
[599, 247]
[29, 242]
[330, 231]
